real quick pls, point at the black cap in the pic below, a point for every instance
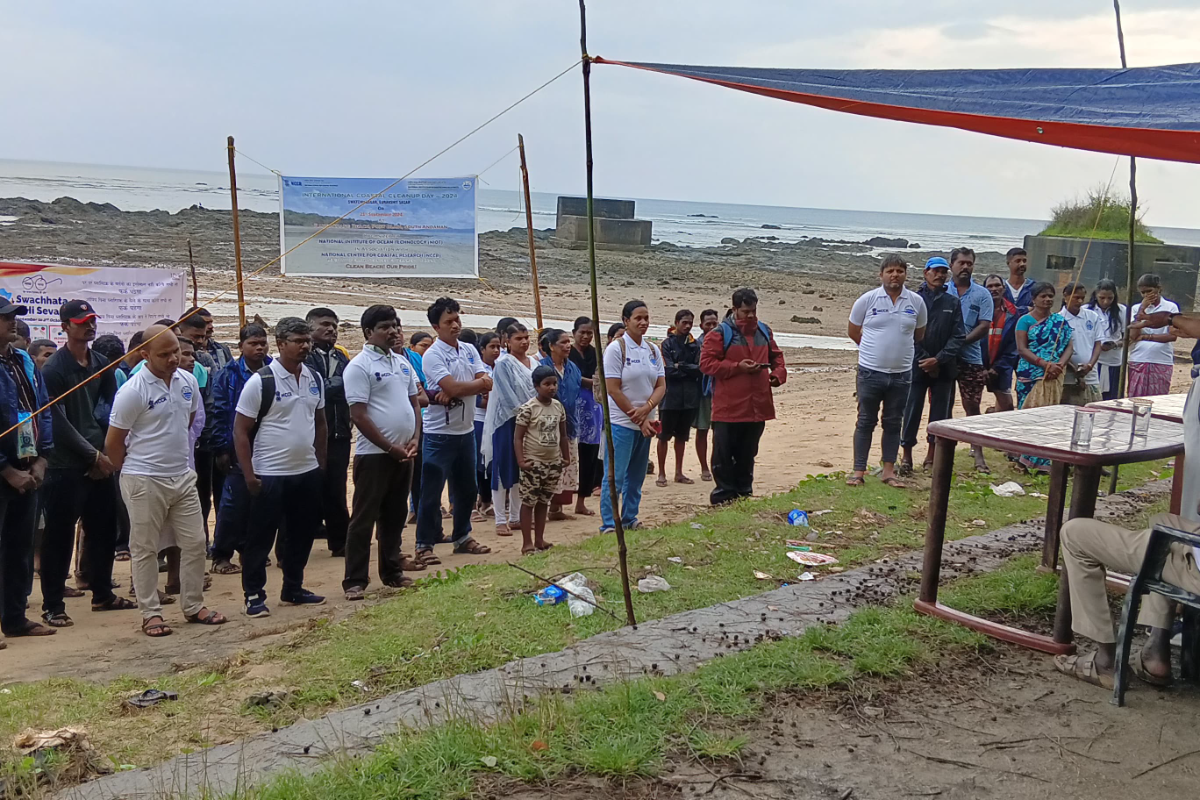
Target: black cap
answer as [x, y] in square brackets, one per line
[8, 307]
[77, 311]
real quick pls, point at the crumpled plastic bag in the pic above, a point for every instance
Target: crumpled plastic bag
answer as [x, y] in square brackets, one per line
[576, 584]
[1008, 489]
[77, 759]
[653, 583]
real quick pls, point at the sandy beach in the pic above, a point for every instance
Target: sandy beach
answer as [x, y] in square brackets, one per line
[816, 408]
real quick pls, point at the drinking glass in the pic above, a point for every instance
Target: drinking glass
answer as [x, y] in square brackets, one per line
[1081, 430]
[1141, 417]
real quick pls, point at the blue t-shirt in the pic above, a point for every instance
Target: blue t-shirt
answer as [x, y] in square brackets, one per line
[976, 303]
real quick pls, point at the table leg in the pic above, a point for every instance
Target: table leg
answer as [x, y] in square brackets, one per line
[1054, 513]
[1083, 504]
[1177, 485]
[935, 531]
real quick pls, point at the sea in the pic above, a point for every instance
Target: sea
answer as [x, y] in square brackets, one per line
[680, 222]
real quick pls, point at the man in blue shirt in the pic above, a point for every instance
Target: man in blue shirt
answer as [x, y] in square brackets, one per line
[977, 307]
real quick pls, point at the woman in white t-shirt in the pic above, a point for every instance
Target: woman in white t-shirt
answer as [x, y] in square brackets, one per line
[1151, 354]
[636, 382]
[1111, 334]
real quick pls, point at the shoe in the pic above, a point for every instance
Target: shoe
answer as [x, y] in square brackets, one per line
[303, 598]
[608, 530]
[339, 553]
[257, 607]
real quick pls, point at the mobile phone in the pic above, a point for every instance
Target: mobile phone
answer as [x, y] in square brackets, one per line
[764, 366]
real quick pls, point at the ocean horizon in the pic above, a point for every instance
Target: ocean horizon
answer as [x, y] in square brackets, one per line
[681, 222]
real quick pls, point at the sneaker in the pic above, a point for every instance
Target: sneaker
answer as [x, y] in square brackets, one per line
[303, 598]
[256, 607]
[608, 530]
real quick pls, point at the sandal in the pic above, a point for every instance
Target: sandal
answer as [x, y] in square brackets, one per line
[1083, 667]
[427, 558]
[59, 620]
[894, 482]
[706, 476]
[401, 582]
[584, 511]
[71, 591]
[1157, 681]
[478, 516]
[209, 618]
[32, 628]
[225, 567]
[356, 593]
[662, 481]
[410, 564]
[121, 556]
[544, 545]
[855, 480]
[114, 603]
[473, 548]
[154, 629]
[503, 530]
[684, 479]
[528, 551]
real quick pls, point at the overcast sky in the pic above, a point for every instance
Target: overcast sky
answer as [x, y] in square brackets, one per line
[374, 88]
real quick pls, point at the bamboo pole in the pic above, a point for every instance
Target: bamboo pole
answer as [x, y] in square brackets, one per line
[195, 285]
[1130, 287]
[622, 550]
[237, 238]
[537, 292]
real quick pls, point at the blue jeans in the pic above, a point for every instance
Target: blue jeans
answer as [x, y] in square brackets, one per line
[631, 453]
[888, 390]
[446, 458]
[232, 514]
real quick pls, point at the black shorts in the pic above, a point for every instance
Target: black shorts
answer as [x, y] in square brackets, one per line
[676, 425]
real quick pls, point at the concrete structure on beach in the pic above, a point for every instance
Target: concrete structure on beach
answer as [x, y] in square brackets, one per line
[616, 228]
[1057, 259]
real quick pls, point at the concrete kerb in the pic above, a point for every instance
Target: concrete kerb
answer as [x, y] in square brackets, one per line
[668, 646]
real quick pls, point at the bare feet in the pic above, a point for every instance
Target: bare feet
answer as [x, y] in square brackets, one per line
[558, 516]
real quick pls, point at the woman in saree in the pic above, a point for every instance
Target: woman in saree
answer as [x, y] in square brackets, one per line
[556, 346]
[1044, 346]
[512, 386]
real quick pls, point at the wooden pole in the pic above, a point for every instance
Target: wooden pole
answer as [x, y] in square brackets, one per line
[1130, 287]
[622, 551]
[195, 285]
[537, 292]
[237, 238]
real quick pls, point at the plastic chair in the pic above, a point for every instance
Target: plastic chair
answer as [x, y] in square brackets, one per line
[1149, 579]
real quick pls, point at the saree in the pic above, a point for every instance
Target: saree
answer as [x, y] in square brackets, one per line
[1048, 341]
[512, 386]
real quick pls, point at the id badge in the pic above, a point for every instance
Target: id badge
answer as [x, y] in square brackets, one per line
[26, 443]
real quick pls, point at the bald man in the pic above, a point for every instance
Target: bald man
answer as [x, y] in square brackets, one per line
[148, 442]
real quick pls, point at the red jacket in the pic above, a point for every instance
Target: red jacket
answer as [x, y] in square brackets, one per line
[740, 396]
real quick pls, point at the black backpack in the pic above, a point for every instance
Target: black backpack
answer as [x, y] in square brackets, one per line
[268, 393]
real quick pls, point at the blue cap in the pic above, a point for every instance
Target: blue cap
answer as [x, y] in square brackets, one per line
[937, 262]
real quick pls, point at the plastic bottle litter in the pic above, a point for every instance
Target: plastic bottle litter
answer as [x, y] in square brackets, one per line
[807, 576]
[797, 518]
[550, 596]
[653, 583]
[577, 584]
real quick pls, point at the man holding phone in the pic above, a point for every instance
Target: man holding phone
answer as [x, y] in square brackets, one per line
[745, 363]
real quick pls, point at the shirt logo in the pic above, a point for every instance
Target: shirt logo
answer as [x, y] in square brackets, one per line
[187, 393]
[314, 389]
[157, 402]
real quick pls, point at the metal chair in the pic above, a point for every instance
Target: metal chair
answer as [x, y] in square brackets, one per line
[1149, 579]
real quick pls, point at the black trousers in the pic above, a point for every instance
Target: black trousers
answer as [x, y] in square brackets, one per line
[591, 469]
[291, 505]
[210, 483]
[941, 401]
[333, 493]
[381, 485]
[18, 518]
[735, 446]
[229, 534]
[68, 496]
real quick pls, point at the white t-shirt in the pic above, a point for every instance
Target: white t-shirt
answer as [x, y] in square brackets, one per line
[639, 372]
[1111, 333]
[887, 329]
[1086, 330]
[284, 444]
[1153, 352]
[463, 364]
[386, 384]
[157, 417]
[480, 411]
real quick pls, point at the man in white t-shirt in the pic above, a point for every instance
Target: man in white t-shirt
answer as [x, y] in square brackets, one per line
[1081, 381]
[455, 371]
[148, 442]
[1151, 354]
[281, 453]
[381, 388]
[884, 323]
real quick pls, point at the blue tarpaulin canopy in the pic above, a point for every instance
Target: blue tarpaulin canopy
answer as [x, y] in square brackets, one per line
[1152, 112]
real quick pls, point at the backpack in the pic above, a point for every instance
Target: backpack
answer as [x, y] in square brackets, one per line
[621, 342]
[727, 332]
[268, 393]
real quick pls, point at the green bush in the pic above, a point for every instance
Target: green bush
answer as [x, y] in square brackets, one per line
[1098, 216]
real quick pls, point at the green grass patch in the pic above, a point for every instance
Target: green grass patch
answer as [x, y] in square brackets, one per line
[481, 617]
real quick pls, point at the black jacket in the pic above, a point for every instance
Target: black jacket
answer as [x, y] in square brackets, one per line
[337, 410]
[681, 363]
[944, 329]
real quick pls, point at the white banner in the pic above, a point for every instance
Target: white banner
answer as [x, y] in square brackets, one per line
[125, 299]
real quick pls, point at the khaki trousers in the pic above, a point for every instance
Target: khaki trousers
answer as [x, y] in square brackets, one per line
[156, 504]
[1090, 548]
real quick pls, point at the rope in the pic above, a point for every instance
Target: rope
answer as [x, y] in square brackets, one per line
[497, 161]
[315, 234]
[256, 161]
